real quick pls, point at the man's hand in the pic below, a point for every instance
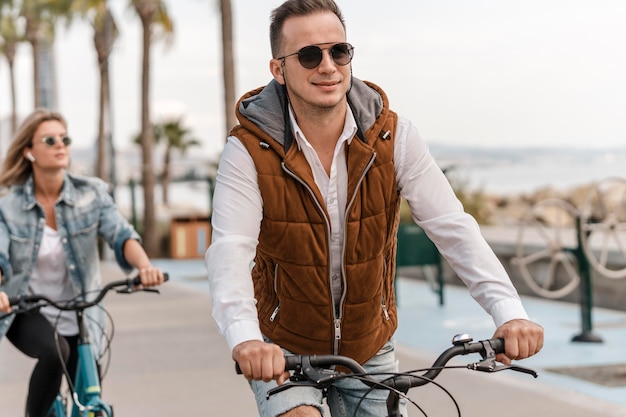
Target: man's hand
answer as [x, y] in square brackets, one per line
[522, 339]
[261, 361]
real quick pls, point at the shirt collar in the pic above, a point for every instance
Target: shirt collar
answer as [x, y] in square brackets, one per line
[348, 133]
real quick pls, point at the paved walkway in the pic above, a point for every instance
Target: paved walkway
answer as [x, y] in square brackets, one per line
[168, 359]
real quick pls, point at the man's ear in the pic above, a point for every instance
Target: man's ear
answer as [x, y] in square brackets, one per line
[277, 69]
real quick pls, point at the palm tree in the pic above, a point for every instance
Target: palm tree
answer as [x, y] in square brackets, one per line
[176, 137]
[105, 35]
[40, 19]
[153, 16]
[228, 64]
[9, 38]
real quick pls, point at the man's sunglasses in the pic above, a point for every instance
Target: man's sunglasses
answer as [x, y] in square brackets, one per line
[311, 56]
[51, 140]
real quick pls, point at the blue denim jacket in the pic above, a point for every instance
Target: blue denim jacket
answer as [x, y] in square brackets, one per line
[84, 211]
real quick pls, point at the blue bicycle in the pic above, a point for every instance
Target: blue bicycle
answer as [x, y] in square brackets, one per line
[85, 399]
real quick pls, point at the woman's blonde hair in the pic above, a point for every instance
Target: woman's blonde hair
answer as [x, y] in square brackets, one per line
[16, 168]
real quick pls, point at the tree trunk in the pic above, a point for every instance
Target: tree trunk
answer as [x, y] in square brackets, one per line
[150, 232]
[102, 43]
[11, 62]
[36, 84]
[165, 179]
[228, 65]
[13, 100]
[102, 161]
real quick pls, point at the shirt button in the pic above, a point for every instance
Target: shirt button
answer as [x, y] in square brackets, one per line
[335, 277]
[64, 240]
[331, 200]
[72, 267]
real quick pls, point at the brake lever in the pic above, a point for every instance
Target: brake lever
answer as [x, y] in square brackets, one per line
[302, 381]
[130, 290]
[478, 366]
[23, 308]
[287, 385]
[311, 377]
[488, 363]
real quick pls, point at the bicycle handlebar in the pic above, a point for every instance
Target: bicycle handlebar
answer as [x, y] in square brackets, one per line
[74, 305]
[312, 369]
[486, 348]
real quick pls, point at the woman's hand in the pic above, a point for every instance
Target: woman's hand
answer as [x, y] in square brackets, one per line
[137, 257]
[5, 307]
[150, 276]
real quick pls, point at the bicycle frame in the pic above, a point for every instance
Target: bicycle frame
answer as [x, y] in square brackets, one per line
[86, 399]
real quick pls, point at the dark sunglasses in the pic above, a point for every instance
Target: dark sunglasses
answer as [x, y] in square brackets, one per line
[51, 140]
[311, 56]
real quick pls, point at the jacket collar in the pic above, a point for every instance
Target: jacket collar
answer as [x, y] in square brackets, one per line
[68, 192]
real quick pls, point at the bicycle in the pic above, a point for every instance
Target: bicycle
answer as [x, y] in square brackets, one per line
[85, 398]
[319, 371]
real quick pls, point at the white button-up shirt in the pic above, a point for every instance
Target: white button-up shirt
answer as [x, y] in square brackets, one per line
[238, 210]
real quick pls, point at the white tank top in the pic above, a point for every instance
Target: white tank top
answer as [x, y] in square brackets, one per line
[51, 278]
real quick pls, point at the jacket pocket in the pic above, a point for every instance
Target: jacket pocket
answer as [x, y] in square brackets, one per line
[21, 252]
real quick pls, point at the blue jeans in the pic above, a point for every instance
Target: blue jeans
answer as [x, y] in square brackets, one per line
[343, 397]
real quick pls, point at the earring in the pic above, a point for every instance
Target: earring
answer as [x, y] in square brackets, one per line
[30, 156]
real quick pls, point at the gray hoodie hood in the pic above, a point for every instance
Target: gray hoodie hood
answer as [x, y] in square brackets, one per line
[262, 109]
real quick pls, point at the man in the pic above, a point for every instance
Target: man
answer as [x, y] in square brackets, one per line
[306, 213]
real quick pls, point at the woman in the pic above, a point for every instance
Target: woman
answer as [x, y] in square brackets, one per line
[50, 222]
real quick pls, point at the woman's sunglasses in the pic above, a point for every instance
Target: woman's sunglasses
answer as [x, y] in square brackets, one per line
[51, 140]
[311, 56]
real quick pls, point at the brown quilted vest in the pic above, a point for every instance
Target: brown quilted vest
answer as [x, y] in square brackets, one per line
[291, 273]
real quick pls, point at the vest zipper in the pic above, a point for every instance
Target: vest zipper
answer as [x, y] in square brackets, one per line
[343, 266]
[385, 312]
[337, 329]
[336, 315]
[275, 312]
[384, 304]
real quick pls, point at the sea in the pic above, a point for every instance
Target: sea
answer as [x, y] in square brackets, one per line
[504, 172]
[526, 170]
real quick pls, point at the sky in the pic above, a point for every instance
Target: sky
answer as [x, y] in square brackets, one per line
[490, 73]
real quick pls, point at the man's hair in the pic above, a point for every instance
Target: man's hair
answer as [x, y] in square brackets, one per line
[293, 8]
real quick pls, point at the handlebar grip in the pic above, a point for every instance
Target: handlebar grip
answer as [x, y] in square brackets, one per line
[137, 279]
[497, 345]
[292, 362]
